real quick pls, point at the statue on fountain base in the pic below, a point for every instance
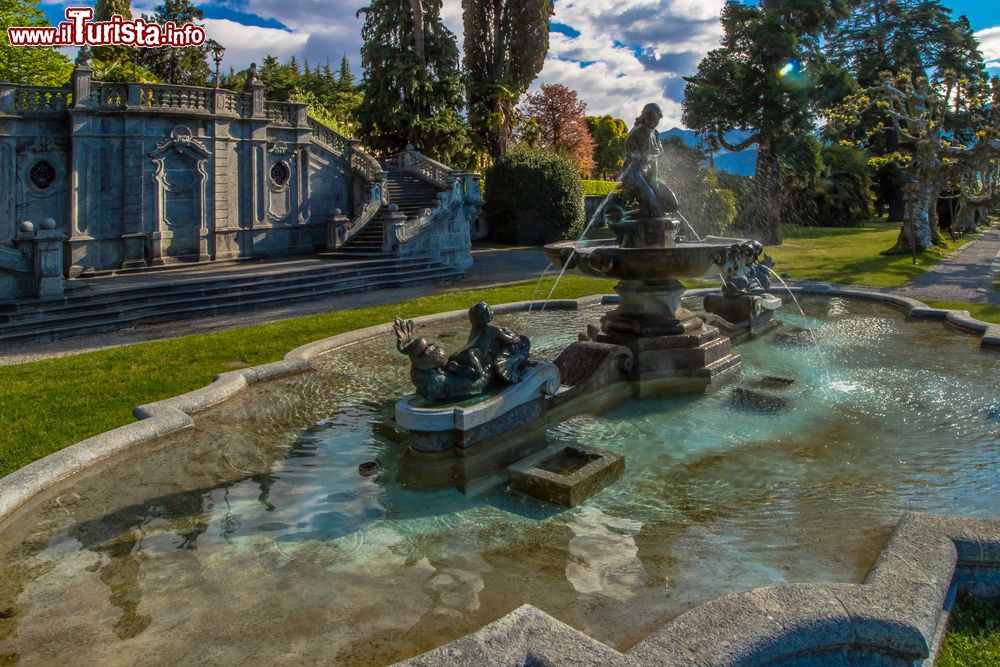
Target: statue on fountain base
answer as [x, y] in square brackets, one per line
[492, 355]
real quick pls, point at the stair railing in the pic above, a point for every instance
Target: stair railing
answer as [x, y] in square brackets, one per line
[413, 161]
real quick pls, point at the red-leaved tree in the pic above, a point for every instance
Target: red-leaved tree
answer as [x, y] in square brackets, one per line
[562, 118]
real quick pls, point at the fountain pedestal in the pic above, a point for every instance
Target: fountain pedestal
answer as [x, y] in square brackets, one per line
[673, 349]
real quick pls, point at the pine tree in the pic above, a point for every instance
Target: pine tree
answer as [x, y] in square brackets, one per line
[186, 66]
[412, 84]
[506, 42]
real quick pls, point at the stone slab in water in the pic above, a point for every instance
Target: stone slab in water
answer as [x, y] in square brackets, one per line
[759, 399]
[566, 476]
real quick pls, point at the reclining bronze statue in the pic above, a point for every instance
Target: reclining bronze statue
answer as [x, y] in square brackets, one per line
[493, 356]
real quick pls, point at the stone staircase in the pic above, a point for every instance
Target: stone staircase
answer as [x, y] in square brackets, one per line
[108, 303]
[410, 193]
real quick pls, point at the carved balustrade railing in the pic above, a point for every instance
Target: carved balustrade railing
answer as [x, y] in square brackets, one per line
[364, 165]
[415, 162]
[166, 96]
[448, 200]
[39, 99]
[335, 142]
[282, 113]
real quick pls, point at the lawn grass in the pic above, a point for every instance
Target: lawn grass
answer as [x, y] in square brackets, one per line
[50, 404]
[850, 256]
[986, 313]
[53, 403]
[973, 638]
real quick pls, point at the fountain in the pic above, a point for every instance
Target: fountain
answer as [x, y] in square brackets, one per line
[327, 522]
[489, 390]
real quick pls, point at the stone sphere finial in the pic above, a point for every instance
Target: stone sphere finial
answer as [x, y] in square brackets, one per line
[26, 227]
[47, 223]
[393, 208]
[337, 212]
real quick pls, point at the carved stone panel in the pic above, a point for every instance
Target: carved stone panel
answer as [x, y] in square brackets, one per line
[180, 194]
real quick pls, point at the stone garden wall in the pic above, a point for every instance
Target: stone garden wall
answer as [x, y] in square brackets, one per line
[137, 175]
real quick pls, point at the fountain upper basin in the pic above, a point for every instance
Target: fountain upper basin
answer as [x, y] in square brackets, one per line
[605, 258]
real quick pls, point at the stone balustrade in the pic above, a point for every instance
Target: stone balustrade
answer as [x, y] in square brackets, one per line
[417, 163]
[35, 99]
[337, 143]
[363, 164]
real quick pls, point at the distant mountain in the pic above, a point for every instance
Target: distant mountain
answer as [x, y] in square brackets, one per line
[743, 163]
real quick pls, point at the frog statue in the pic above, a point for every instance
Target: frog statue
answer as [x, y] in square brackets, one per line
[493, 356]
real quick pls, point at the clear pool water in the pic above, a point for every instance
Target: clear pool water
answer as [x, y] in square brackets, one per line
[252, 538]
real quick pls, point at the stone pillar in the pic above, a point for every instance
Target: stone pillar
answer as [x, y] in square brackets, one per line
[7, 97]
[45, 245]
[257, 92]
[82, 76]
[395, 219]
[333, 226]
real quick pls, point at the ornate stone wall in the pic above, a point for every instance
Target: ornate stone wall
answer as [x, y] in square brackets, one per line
[138, 175]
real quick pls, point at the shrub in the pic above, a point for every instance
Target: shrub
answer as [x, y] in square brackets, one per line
[845, 188]
[534, 197]
[599, 188]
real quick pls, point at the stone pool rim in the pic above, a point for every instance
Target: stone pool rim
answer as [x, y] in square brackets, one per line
[899, 614]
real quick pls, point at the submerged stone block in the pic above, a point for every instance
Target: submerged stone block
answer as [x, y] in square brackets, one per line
[566, 475]
[759, 399]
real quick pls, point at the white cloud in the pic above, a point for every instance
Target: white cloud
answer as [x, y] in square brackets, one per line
[635, 50]
[245, 43]
[639, 50]
[989, 42]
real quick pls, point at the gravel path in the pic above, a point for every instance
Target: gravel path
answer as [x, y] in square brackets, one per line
[968, 275]
[492, 267]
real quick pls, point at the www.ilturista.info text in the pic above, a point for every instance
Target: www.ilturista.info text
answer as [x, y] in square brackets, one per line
[79, 30]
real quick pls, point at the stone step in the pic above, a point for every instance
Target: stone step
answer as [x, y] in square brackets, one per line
[109, 318]
[207, 285]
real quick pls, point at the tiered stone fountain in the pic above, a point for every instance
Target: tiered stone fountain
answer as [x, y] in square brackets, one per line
[649, 344]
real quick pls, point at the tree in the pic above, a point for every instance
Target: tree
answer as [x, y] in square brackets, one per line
[34, 65]
[896, 36]
[609, 135]
[561, 118]
[768, 77]
[186, 66]
[412, 84]
[505, 46]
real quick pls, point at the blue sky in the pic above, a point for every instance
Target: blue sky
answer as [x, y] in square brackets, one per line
[619, 54]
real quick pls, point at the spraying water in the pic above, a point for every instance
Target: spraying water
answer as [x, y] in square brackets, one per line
[689, 226]
[538, 284]
[812, 333]
[580, 241]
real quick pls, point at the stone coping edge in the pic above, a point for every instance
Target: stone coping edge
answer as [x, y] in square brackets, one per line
[897, 616]
[171, 415]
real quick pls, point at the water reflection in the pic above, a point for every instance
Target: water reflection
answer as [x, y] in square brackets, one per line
[253, 537]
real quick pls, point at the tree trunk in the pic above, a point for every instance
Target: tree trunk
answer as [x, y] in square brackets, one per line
[417, 9]
[932, 213]
[761, 218]
[915, 232]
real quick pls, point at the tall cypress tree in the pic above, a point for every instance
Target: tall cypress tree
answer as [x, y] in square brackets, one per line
[412, 84]
[506, 42]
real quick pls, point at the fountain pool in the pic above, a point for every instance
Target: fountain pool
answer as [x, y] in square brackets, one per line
[252, 538]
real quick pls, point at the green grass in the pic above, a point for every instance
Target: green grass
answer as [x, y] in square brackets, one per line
[599, 188]
[973, 638]
[50, 404]
[850, 256]
[979, 311]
